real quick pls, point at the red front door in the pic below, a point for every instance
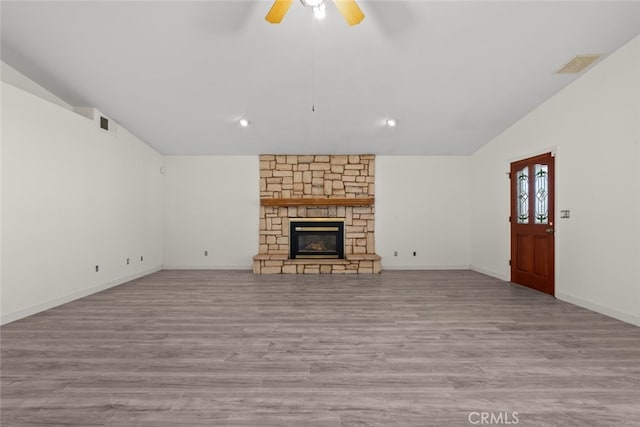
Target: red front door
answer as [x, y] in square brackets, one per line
[532, 219]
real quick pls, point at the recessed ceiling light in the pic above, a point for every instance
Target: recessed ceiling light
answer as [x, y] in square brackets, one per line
[244, 123]
[391, 123]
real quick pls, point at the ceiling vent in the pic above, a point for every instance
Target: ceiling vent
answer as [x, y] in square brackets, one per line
[578, 64]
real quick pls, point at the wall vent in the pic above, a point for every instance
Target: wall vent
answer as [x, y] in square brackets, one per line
[102, 122]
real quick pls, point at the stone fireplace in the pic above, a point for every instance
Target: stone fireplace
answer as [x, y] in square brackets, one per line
[317, 214]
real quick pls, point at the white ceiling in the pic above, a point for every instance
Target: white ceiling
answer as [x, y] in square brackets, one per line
[179, 75]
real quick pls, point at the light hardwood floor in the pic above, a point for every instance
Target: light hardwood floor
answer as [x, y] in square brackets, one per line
[228, 348]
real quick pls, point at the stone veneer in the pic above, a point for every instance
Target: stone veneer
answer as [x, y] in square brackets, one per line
[298, 178]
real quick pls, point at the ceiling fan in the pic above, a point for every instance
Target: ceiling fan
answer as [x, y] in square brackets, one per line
[348, 8]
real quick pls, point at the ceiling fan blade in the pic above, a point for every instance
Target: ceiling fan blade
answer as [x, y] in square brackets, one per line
[278, 10]
[350, 10]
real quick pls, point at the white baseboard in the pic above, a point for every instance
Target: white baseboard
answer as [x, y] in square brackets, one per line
[207, 267]
[607, 311]
[10, 317]
[425, 267]
[500, 276]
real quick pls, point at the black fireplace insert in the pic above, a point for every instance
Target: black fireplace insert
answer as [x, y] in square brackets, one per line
[316, 238]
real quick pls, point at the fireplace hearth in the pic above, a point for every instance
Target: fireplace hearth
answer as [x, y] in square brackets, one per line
[316, 238]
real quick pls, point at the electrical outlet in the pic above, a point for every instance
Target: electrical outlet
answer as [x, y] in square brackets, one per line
[128, 261]
[206, 253]
[97, 268]
[395, 253]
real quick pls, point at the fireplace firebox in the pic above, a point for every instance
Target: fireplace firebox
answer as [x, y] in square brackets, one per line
[316, 238]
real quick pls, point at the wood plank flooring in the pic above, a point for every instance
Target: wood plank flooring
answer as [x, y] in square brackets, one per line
[229, 348]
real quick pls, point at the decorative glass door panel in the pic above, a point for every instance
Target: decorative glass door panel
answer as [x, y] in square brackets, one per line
[541, 185]
[523, 195]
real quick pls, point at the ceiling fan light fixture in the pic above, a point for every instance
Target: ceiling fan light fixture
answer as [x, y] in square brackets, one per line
[349, 9]
[391, 123]
[244, 123]
[320, 12]
[318, 7]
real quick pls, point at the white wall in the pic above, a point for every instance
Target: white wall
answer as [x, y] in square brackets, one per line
[1, 209]
[211, 204]
[422, 205]
[73, 197]
[594, 125]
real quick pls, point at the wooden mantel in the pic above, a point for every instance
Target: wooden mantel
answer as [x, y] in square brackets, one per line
[319, 201]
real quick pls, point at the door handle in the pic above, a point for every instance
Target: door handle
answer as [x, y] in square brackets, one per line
[550, 230]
